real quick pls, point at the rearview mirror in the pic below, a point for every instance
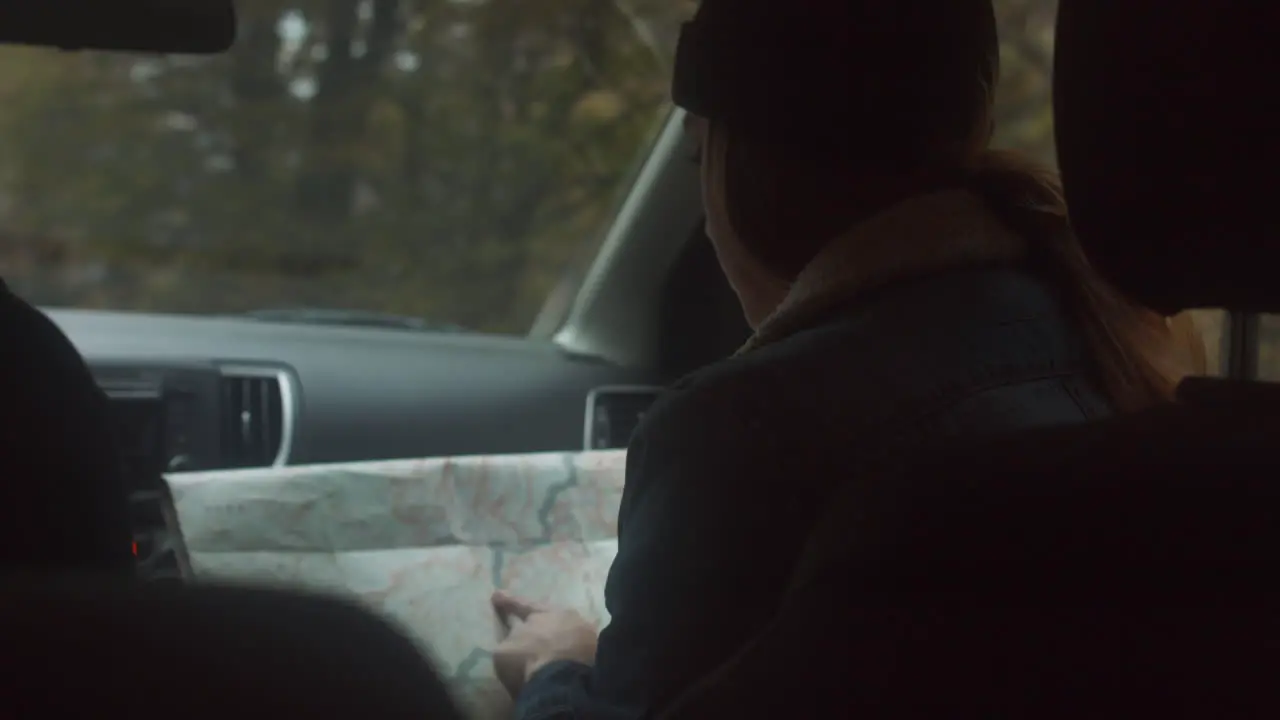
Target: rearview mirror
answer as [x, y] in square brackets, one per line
[197, 27]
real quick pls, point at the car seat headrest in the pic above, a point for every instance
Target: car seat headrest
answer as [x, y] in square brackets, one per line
[1168, 136]
[845, 76]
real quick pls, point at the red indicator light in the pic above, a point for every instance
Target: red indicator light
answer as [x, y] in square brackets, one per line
[135, 548]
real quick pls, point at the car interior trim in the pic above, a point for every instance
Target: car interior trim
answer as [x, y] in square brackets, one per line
[593, 401]
[613, 315]
[288, 402]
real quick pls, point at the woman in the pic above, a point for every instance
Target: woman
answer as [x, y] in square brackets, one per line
[906, 285]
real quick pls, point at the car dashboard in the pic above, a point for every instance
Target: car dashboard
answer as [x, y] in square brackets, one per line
[181, 417]
[194, 395]
[248, 393]
[206, 447]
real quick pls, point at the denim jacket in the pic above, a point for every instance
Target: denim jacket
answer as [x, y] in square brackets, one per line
[875, 356]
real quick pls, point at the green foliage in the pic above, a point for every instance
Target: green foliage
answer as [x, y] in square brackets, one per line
[447, 159]
[1024, 114]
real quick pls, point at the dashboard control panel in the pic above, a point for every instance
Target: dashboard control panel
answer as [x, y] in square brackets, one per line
[157, 538]
[188, 417]
[613, 414]
[167, 418]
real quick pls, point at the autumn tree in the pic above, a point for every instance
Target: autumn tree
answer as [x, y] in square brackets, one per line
[443, 159]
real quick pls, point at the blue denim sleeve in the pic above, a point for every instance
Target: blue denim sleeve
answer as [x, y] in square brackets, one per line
[549, 692]
[560, 691]
[696, 573]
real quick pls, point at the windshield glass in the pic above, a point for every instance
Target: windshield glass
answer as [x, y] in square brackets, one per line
[425, 164]
[439, 160]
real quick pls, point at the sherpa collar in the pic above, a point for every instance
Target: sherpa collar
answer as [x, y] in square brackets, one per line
[918, 236]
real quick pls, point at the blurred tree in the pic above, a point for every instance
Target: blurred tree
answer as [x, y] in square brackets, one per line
[447, 159]
[1269, 348]
[1024, 117]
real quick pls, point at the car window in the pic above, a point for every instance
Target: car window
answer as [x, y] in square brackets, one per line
[444, 165]
[1212, 326]
[1024, 110]
[438, 163]
[1024, 118]
[1269, 347]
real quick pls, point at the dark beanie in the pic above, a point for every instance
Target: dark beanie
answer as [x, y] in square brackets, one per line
[856, 75]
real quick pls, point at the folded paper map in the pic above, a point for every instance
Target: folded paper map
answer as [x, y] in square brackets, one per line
[424, 542]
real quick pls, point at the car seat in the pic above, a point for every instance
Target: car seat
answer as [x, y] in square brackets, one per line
[90, 648]
[1117, 569]
[62, 490]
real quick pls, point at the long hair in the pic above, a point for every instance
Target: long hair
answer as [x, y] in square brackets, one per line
[1137, 355]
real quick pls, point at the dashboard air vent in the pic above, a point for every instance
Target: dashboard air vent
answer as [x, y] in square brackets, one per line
[253, 419]
[614, 413]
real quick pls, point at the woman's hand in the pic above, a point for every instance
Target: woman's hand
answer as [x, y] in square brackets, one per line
[538, 635]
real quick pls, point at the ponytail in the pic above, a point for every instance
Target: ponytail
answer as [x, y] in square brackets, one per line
[1137, 355]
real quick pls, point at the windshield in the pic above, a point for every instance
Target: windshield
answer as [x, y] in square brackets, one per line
[439, 160]
[429, 164]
